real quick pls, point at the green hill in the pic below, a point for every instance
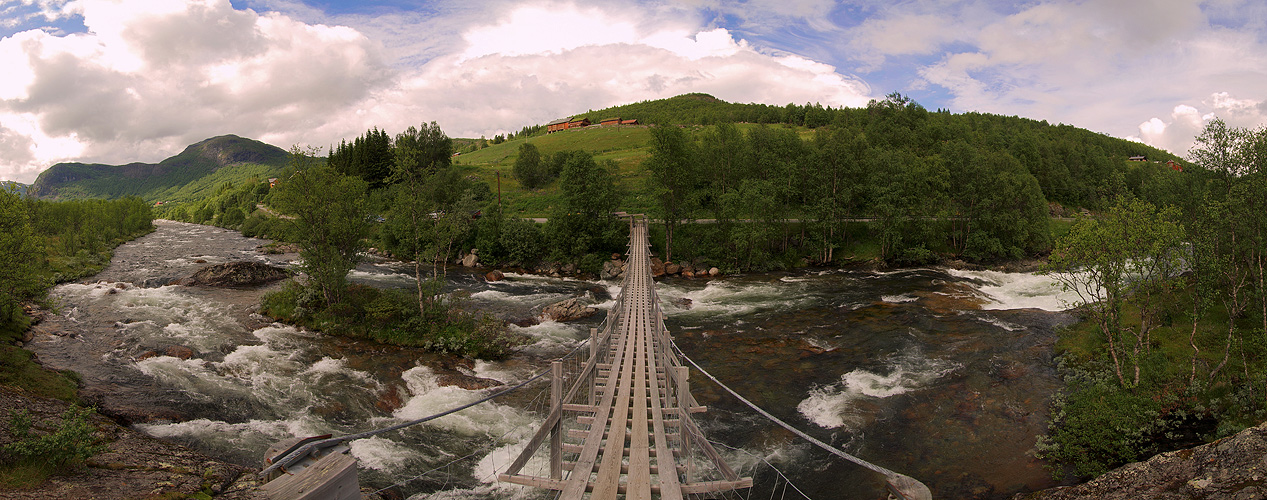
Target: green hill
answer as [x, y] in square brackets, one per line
[187, 176]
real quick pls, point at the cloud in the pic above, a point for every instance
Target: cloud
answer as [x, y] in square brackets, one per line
[149, 77]
[1106, 66]
[1177, 132]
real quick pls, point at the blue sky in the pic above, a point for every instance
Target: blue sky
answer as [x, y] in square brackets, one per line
[115, 81]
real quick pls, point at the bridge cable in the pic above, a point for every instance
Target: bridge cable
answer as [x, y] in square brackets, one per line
[327, 443]
[907, 487]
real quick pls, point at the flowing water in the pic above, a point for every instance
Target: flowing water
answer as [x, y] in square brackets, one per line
[939, 374]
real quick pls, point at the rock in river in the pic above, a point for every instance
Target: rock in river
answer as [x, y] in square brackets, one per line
[567, 310]
[242, 274]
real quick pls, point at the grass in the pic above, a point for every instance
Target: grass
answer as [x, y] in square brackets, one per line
[626, 146]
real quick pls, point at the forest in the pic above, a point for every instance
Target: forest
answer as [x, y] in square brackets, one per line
[1168, 252]
[43, 243]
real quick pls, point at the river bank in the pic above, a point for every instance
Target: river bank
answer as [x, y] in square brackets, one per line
[923, 370]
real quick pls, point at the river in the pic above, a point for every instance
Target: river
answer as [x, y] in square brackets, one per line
[940, 374]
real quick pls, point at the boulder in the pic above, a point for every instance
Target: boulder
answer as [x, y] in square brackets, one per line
[494, 275]
[672, 268]
[682, 302]
[470, 260]
[568, 310]
[657, 267]
[611, 269]
[714, 272]
[241, 274]
[1232, 468]
[179, 351]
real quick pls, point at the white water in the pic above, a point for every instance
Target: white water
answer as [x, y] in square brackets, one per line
[834, 405]
[1019, 290]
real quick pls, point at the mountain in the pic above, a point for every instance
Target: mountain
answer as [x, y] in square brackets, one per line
[18, 187]
[227, 157]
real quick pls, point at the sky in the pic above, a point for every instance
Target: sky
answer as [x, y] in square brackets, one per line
[119, 81]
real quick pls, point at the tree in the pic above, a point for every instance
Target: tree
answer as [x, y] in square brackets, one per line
[1129, 256]
[674, 174]
[583, 222]
[333, 220]
[21, 277]
[529, 169]
[422, 155]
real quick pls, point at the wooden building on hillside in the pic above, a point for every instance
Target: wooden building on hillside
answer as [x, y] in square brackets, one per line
[606, 122]
[566, 123]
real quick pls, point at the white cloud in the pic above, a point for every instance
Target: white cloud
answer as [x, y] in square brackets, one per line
[1108, 65]
[152, 76]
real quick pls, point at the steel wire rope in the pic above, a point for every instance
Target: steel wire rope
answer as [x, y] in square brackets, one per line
[335, 441]
[898, 483]
[535, 401]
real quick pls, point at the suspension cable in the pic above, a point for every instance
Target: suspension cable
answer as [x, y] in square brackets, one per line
[330, 442]
[905, 486]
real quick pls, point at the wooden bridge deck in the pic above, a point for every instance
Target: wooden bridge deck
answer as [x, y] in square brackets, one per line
[640, 436]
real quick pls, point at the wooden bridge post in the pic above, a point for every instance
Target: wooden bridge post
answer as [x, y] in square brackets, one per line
[556, 433]
[593, 354]
[684, 412]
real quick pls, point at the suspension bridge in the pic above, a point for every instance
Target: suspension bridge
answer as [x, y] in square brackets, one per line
[619, 423]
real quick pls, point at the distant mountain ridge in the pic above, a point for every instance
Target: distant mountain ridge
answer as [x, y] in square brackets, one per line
[154, 180]
[17, 187]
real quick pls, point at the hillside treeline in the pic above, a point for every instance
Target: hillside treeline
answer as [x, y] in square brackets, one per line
[42, 243]
[977, 187]
[1172, 287]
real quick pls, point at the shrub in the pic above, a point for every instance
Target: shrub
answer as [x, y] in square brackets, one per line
[68, 446]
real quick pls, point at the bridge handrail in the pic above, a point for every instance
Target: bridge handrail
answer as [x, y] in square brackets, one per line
[906, 487]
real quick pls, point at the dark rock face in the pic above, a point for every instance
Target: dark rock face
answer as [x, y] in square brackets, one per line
[494, 275]
[242, 274]
[1233, 468]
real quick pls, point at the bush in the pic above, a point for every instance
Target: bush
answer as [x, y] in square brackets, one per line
[393, 317]
[66, 447]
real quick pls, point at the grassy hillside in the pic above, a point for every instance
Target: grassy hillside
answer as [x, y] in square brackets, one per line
[627, 146]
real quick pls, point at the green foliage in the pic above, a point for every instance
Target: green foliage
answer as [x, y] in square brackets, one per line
[529, 169]
[368, 157]
[394, 317]
[333, 222]
[583, 222]
[65, 447]
[1097, 425]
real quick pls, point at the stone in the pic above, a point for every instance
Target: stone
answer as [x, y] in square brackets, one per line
[390, 400]
[494, 275]
[672, 268]
[470, 260]
[568, 310]
[714, 272]
[133, 465]
[569, 269]
[611, 269]
[179, 351]
[657, 267]
[615, 256]
[682, 302]
[240, 274]
[1232, 467]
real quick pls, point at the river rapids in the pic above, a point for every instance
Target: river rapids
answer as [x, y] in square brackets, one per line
[939, 374]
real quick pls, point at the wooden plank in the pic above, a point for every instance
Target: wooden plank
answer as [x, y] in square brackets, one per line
[333, 477]
[639, 481]
[670, 488]
[579, 479]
